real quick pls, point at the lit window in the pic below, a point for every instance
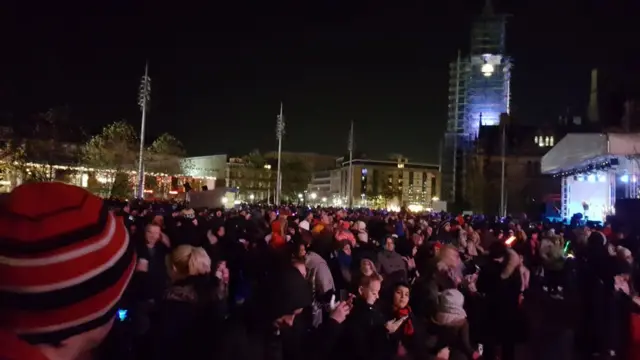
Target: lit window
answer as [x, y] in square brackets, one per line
[535, 139]
[551, 141]
[546, 141]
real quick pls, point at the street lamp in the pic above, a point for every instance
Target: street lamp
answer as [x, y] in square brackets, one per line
[267, 166]
[487, 69]
[224, 200]
[299, 196]
[435, 198]
[314, 196]
[324, 199]
[252, 197]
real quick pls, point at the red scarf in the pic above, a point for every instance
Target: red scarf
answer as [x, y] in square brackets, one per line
[408, 325]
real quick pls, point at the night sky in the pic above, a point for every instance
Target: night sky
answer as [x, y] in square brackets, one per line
[219, 72]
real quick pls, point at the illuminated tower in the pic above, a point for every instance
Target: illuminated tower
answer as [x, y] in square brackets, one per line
[479, 92]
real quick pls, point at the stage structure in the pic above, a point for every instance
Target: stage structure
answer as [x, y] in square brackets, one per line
[596, 170]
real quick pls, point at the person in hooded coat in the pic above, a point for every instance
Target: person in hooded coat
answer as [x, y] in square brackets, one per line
[273, 326]
[501, 285]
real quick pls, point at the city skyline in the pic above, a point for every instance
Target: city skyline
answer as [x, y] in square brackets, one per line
[384, 67]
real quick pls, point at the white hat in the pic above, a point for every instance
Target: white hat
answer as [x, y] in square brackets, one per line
[304, 224]
[451, 301]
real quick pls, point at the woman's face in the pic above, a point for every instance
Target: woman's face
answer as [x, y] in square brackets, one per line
[302, 252]
[366, 268]
[401, 297]
[347, 249]
[221, 266]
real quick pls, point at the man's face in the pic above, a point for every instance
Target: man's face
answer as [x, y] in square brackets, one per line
[158, 220]
[451, 258]
[152, 234]
[370, 293]
[220, 231]
[389, 244]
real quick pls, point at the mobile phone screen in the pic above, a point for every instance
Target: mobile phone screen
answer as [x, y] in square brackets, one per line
[332, 303]
[122, 314]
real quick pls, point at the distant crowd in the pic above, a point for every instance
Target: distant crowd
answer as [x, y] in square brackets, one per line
[84, 278]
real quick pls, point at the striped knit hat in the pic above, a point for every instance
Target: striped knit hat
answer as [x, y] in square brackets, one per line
[65, 262]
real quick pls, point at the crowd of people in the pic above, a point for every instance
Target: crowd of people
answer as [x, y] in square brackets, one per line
[83, 278]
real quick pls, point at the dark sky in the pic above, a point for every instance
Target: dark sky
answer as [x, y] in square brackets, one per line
[219, 72]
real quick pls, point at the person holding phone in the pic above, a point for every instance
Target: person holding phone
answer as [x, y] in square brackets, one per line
[364, 331]
[406, 337]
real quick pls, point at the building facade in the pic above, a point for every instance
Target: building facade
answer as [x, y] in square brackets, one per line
[479, 91]
[386, 183]
[525, 189]
[323, 185]
[252, 182]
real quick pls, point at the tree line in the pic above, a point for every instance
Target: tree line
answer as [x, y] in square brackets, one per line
[51, 148]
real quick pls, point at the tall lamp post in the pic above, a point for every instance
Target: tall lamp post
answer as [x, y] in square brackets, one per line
[144, 96]
[504, 122]
[279, 135]
[350, 177]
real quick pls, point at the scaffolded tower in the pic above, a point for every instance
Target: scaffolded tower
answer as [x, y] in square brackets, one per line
[479, 92]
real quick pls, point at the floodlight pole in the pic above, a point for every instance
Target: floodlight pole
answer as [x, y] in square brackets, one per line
[279, 135]
[144, 96]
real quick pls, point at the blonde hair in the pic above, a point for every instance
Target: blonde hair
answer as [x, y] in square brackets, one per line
[187, 260]
[444, 249]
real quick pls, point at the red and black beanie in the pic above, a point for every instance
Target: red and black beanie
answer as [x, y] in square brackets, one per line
[65, 262]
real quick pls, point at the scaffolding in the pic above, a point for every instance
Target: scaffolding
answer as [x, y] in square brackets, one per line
[479, 91]
[454, 142]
